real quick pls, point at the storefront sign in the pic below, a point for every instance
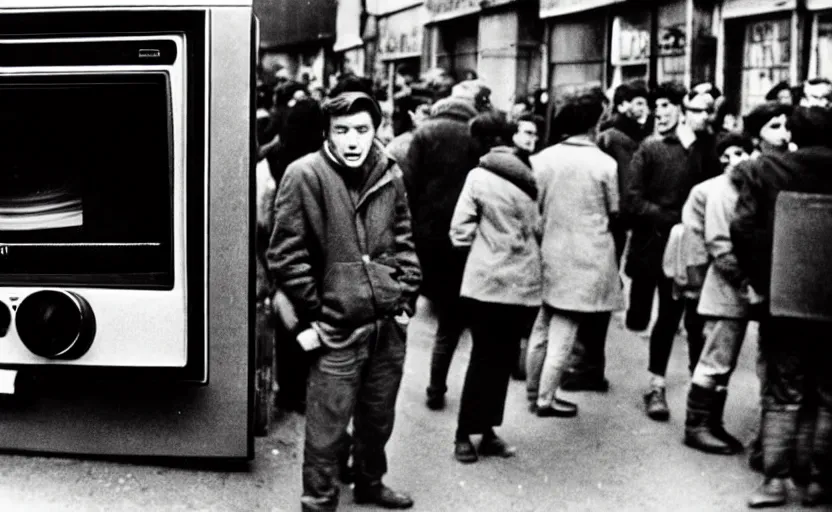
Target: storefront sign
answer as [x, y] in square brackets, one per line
[743, 8]
[441, 10]
[671, 40]
[400, 35]
[551, 8]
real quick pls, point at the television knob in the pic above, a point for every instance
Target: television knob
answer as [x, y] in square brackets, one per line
[55, 324]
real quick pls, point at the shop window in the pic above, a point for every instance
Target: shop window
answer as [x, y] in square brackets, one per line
[630, 47]
[824, 48]
[765, 61]
[578, 52]
[458, 46]
[671, 42]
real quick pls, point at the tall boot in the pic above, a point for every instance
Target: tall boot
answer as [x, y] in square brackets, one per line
[819, 491]
[699, 422]
[779, 431]
[718, 429]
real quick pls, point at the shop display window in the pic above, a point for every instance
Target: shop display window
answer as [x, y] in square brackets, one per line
[458, 46]
[824, 48]
[766, 58]
[578, 52]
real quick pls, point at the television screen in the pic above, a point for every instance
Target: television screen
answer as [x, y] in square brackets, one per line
[86, 179]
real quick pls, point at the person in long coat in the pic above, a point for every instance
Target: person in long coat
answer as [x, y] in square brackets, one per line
[496, 221]
[578, 186]
[441, 155]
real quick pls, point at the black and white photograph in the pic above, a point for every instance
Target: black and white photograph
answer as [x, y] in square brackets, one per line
[429, 255]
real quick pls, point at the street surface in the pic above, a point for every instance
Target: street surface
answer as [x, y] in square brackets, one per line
[611, 457]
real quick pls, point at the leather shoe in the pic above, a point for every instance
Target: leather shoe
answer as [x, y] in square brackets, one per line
[656, 405]
[493, 445]
[465, 452]
[382, 496]
[558, 409]
[317, 504]
[771, 493]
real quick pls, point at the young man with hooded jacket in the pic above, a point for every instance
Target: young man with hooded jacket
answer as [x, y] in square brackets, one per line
[342, 251]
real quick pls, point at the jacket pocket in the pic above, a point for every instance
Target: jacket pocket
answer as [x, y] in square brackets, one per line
[386, 289]
[346, 295]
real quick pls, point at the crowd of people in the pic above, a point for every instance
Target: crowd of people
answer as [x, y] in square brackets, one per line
[525, 245]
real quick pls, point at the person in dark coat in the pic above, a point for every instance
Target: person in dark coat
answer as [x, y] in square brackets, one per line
[620, 140]
[662, 173]
[441, 154]
[796, 352]
[342, 251]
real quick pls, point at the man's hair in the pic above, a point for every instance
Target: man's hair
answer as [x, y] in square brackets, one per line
[529, 118]
[579, 111]
[348, 103]
[628, 91]
[774, 92]
[727, 139]
[674, 92]
[492, 128]
[352, 83]
[811, 126]
[754, 121]
[819, 81]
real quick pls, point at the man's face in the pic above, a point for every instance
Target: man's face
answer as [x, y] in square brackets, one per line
[784, 97]
[351, 137]
[667, 116]
[525, 137]
[639, 109]
[731, 156]
[818, 95]
[775, 135]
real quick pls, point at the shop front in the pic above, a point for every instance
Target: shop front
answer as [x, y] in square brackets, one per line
[762, 47]
[497, 41]
[348, 48]
[820, 56]
[617, 41]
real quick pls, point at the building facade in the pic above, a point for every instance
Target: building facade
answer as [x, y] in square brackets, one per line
[519, 46]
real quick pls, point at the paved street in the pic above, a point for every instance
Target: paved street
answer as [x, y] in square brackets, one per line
[610, 457]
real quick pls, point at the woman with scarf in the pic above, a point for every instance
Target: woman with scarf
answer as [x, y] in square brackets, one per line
[496, 221]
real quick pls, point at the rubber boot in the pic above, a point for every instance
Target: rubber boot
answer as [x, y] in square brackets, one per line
[718, 429]
[699, 422]
[779, 429]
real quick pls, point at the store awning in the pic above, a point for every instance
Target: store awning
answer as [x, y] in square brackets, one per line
[552, 8]
[743, 8]
[348, 25]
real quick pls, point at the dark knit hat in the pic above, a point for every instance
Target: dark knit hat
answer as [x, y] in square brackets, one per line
[754, 121]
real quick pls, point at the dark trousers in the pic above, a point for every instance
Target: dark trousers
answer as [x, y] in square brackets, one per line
[359, 382]
[450, 322]
[292, 369]
[667, 323]
[797, 398]
[496, 330]
[588, 359]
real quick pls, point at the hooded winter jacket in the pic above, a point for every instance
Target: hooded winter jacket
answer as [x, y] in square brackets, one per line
[344, 261]
[497, 217]
[759, 182]
[441, 155]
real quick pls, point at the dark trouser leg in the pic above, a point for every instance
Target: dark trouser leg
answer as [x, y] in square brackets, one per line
[664, 331]
[450, 320]
[641, 302]
[821, 362]
[588, 359]
[375, 410]
[331, 396]
[292, 369]
[495, 335]
[694, 328]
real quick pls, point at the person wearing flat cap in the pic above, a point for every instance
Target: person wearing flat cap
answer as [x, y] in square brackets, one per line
[342, 251]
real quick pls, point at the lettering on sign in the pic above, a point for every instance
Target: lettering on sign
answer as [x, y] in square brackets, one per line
[446, 6]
